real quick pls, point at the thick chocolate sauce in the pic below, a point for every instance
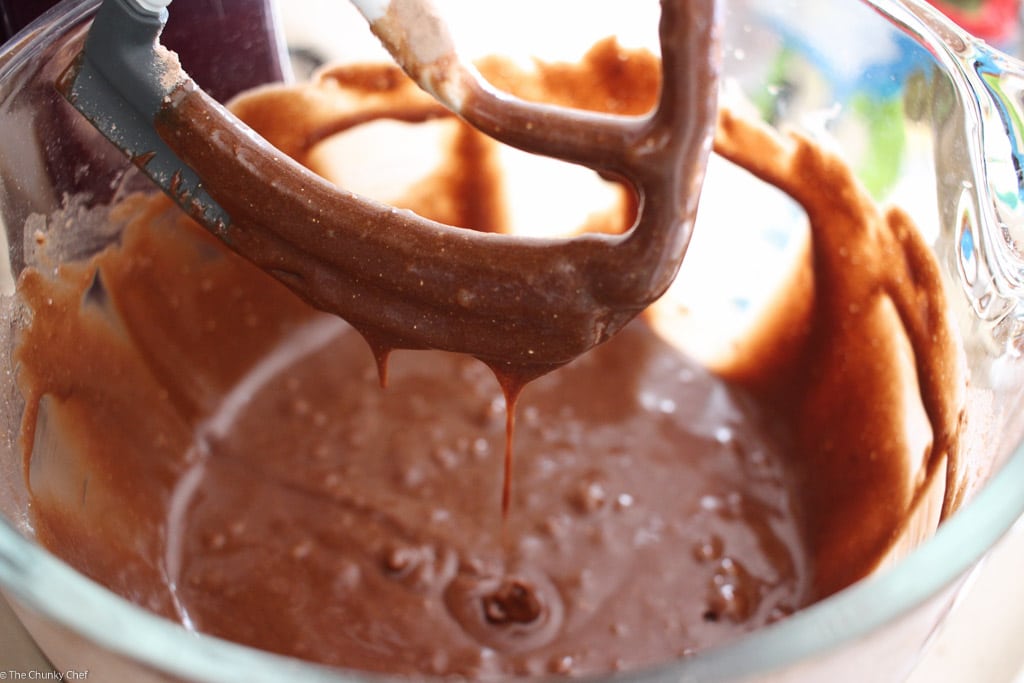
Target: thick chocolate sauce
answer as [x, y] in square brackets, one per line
[205, 443]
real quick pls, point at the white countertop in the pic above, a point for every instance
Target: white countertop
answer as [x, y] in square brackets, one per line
[983, 640]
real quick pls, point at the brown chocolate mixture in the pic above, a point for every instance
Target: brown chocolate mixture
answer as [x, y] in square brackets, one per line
[233, 464]
[204, 443]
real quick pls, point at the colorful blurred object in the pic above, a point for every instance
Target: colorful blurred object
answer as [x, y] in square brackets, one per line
[871, 84]
[997, 22]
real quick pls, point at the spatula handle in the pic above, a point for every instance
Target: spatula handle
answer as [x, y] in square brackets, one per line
[226, 46]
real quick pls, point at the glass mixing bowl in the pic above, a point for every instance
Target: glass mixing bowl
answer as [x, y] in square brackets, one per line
[927, 121]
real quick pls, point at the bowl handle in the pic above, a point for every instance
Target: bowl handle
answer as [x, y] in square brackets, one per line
[979, 150]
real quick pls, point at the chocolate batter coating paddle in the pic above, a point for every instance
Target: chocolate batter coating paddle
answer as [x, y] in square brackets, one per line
[524, 306]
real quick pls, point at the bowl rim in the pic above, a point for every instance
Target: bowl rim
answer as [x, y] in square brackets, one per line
[37, 580]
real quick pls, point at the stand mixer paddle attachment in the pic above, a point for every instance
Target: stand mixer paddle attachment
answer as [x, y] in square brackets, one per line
[522, 305]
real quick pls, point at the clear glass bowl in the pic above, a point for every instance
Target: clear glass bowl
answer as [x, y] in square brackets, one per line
[910, 123]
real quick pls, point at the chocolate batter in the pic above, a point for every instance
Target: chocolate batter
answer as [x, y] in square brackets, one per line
[203, 442]
[214, 449]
